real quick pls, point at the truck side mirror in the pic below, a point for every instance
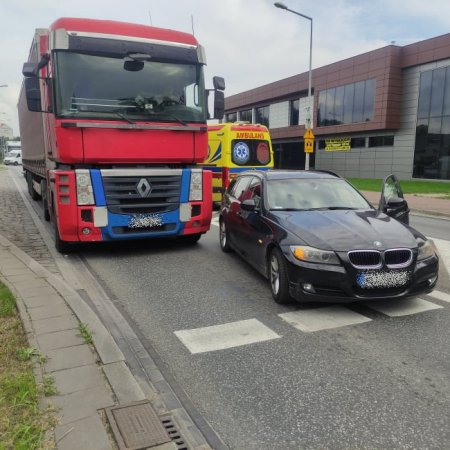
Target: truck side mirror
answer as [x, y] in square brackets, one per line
[30, 70]
[33, 94]
[219, 104]
[219, 83]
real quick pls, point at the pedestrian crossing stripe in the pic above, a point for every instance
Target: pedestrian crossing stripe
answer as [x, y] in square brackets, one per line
[323, 318]
[440, 296]
[228, 335]
[443, 248]
[404, 307]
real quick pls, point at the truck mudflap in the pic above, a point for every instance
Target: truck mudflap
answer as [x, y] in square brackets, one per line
[112, 216]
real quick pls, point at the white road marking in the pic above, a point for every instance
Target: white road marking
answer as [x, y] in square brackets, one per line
[440, 296]
[405, 307]
[443, 248]
[229, 335]
[215, 221]
[324, 318]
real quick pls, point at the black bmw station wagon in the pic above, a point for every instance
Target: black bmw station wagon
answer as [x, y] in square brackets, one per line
[316, 238]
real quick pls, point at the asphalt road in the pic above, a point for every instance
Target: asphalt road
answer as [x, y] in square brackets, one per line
[379, 384]
[371, 380]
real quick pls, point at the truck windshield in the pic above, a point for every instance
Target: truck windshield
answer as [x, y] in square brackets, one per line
[104, 87]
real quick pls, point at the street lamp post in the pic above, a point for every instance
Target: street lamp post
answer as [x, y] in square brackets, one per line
[308, 118]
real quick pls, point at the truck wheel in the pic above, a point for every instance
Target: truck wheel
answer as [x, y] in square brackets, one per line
[60, 245]
[33, 194]
[45, 200]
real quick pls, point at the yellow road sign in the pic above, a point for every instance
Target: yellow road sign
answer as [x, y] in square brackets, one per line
[308, 134]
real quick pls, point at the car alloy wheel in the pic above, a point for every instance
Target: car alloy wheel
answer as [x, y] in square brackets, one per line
[223, 236]
[279, 282]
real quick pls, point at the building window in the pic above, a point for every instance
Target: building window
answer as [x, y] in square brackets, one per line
[294, 112]
[432, 148]
[262, 115]
[231, 117]
[245, 116]
[381, 141]
[358, 142]
[352, 103]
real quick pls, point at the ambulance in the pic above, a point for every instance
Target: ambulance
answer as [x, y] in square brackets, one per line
[234, 147]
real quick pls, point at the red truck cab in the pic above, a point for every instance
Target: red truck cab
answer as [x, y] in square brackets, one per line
[113, 121]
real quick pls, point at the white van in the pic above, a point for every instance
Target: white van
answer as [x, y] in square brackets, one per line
[14, 158]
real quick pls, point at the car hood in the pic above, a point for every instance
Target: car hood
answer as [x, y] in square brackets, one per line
[345, 230]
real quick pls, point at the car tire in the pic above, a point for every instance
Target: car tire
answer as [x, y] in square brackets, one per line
[16, 163]
[278, 277]
[224, 238]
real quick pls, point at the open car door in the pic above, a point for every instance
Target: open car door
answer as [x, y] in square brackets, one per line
[392, 201]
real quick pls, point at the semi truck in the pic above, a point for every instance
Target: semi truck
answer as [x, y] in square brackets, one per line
[234, 147]
[113, 122]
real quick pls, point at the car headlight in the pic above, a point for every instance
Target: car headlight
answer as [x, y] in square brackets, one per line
[314, 255]
[426, 250]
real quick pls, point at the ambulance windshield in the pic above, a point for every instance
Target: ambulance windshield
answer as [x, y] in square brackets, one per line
[134, 89]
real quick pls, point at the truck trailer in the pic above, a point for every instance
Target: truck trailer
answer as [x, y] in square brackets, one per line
[113, 120]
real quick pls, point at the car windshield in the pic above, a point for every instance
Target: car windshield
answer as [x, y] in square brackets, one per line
[106, 87]
[313, 194]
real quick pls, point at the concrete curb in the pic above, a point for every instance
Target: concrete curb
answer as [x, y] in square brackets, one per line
[48, 306]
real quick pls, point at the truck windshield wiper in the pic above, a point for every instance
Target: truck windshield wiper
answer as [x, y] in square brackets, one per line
[123, 116]
[163, 114]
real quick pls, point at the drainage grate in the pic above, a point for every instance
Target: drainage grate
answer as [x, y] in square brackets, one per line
[173, 432]
[137, 426]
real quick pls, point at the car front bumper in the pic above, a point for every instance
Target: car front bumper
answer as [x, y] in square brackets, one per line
[338, 284]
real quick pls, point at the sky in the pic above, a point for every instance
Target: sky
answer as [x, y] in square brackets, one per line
[248, 42]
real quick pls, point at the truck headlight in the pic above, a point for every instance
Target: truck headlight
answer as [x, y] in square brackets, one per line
[314, 255]
[85, 192]
[196, 185]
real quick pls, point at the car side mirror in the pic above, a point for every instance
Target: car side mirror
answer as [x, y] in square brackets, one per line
[248, 205]
[395, 202]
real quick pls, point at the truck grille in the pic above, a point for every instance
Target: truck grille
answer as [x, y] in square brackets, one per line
[148, 194]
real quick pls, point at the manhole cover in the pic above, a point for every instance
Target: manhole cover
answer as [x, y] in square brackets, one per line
[136, 426]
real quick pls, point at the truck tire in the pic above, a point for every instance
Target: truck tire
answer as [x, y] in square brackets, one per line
[45, 200]
[33, 194]
[60, 245]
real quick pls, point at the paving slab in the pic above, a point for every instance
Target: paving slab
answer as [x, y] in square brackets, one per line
[85, 434]
[39, 291]
[84, 403]
[49, 325]
[59, 339]
[124, 385]
[78, 379]
[48, 311]
[69, 357]
[35, 302]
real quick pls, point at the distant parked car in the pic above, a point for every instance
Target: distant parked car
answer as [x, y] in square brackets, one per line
[316, 238]
[14, 158]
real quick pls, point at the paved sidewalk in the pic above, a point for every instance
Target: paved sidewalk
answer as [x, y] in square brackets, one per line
[87, 378]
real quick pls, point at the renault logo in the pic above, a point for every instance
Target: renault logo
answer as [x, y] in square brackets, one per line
[143, 188]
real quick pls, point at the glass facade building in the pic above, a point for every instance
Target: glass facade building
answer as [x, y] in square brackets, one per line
[432, 149]
[385, 111]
